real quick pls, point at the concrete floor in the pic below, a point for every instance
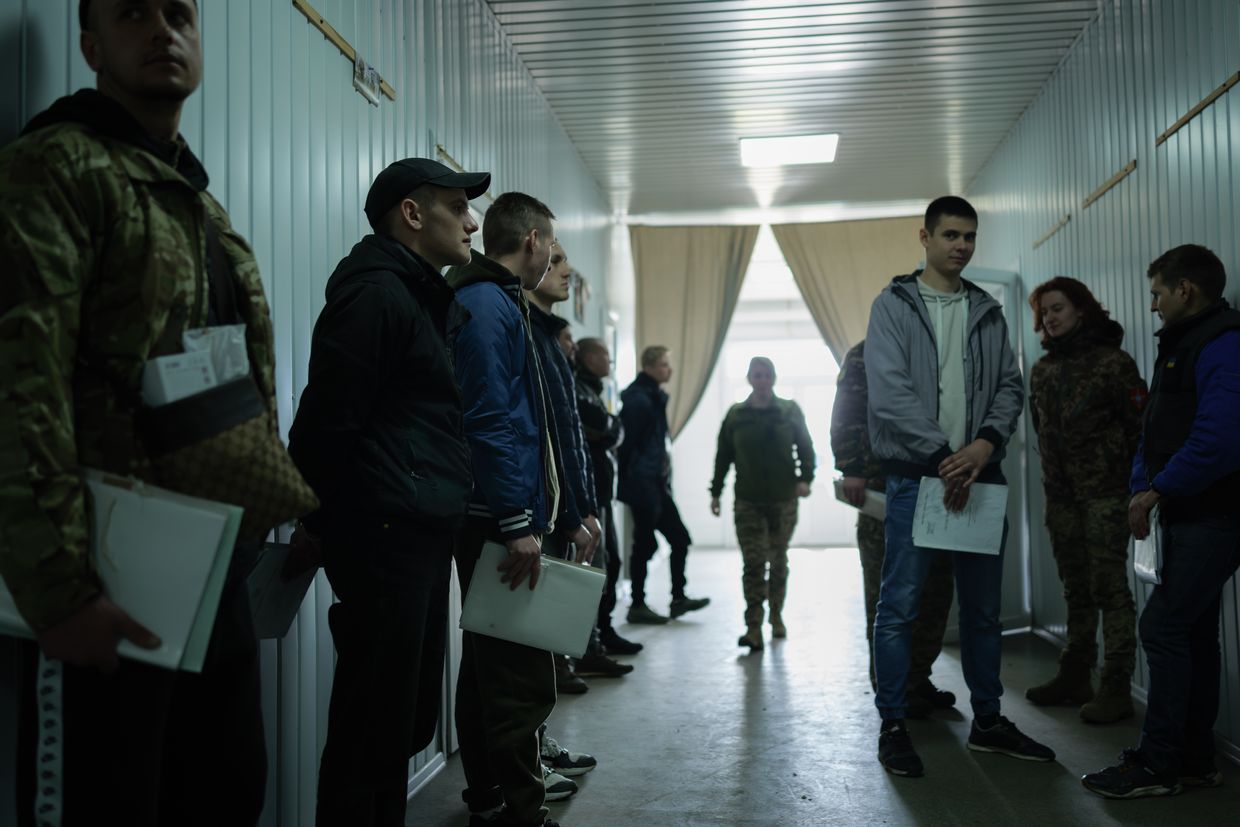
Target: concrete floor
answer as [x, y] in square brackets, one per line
[704, 733]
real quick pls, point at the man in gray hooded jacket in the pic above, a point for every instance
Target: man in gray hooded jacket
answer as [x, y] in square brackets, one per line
[944, 397]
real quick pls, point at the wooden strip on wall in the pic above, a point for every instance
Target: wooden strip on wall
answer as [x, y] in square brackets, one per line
[1063, 222]
[447, 158]
[329, 31]
[1112, 181]
[1197, 110]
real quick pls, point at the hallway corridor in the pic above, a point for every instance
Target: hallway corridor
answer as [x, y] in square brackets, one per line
[702, 733]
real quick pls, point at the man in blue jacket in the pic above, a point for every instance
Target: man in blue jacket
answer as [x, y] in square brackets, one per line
[506, 691]
[944, 397]
[1188, 465]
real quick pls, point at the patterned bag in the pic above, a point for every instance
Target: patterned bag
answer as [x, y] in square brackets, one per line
[222, 445]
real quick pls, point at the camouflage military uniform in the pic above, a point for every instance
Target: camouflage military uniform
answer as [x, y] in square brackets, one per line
[104, 256]
[772, 451]
[1086, 398]
[850, 442]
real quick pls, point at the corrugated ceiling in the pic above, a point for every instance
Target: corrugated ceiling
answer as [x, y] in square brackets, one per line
[656, 94]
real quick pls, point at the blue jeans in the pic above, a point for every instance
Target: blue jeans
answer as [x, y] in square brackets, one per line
[1180, 634]
[979, 582]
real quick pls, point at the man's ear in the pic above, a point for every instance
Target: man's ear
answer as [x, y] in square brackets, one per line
[924, 236]
[411, 213]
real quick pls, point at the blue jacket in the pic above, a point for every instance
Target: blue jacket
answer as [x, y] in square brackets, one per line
[1205, 466]
[497, 372]
[643, 454]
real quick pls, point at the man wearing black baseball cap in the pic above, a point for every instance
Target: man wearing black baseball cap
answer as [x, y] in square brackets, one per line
[378, 435]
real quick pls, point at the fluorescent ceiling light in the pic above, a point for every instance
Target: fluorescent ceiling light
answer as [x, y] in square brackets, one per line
[793, 149]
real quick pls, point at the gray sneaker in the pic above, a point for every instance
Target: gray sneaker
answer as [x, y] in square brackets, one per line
[641, 613]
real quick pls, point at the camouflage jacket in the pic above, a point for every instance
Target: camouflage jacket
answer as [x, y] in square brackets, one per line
[104, 248]
[850, 435]
[761, 443]
[1086, 397]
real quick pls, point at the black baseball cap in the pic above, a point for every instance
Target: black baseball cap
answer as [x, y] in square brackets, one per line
[402, 177]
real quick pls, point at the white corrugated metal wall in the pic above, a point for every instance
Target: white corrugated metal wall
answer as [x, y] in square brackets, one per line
[1134, 72]
[291, 149]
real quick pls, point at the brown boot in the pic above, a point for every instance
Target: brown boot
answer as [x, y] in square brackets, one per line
[1112, 703]
[751, 638]
[1070, 686]
[778, 629]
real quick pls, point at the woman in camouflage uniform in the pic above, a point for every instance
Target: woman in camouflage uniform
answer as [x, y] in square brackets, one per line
[1086, 398]
[759, 435]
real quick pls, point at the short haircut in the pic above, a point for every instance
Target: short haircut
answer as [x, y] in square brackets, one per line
[1193, 263]
[425, 196]
[1092, 312]
[652, 355]
[84, 14]
[763, 362]
[948, 205]
[590, 345]
[509, 220]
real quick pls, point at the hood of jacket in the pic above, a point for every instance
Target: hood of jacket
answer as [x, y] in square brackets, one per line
[381, 253]
[482, 269]
[980, 302]
[106, 116]
[1108, 332]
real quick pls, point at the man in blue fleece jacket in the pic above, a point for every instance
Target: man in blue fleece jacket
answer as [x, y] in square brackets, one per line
[1188, 464]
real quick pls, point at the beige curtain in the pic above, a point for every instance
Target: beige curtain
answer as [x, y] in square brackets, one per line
[688, 279]
[841, 266]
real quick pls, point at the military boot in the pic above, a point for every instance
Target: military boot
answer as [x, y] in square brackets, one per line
[752, 638]
[1070, 686]
[778, 629]
[1112, 703]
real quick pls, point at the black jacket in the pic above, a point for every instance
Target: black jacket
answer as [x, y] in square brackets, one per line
[603, 432]
[643, 454]
[378, 433]
[577, 479]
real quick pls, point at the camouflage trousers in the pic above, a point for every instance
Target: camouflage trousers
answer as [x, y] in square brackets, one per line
[1089, 539]
[763, 530]
[936, 600]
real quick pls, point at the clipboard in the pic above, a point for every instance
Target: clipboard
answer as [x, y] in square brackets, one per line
[557, 615]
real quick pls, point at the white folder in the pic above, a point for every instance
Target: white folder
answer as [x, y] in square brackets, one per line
[874, 505]
[162, 557]
[556, 615]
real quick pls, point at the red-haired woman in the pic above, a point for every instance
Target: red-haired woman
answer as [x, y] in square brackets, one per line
[1086, 397]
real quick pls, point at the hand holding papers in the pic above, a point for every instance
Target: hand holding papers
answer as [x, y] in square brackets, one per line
[875, 504]
[557, 614]
[1147, 554]
[977, 528]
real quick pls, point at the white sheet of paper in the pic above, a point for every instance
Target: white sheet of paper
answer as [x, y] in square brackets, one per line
[978, 528]
[875, 504]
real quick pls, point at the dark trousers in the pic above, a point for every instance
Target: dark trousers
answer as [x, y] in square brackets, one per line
[147, 746]
[608, 559]
[1180, 634]
[655, 510]
[504, 693]
[390, 630]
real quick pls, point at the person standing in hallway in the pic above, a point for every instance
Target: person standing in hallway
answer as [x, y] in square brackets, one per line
[505, 691]
[850, 442]
[378, 434]
[646, 486]
[944, 397]
[1188, 465]
[767, 439]
[603, 432]
[1086, 396]
[114, 249]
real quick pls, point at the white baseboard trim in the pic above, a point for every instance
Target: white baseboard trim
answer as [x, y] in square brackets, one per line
[423, 776]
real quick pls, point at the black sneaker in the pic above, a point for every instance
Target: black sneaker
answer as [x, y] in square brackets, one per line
[568, 764]
[600, 666]
[681, 605]
[895, 751]
[1130, 778]
[641, 613]
[568, 682]
[1200, 777]
[1003, 737]
[616, 645]
[937, 698]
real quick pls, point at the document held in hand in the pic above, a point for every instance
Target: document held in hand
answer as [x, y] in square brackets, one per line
[1147, 554]
[874, 505]
[162, 557]
[977, 528]
[557, 615]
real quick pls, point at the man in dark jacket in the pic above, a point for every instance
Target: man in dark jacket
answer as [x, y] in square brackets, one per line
[379, 436]
[1188, 464]
[646, 486]
[506, 691]
[603, 432]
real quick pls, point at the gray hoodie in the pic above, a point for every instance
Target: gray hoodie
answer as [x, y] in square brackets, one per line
[902, 366]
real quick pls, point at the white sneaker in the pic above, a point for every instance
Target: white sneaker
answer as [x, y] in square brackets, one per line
[560, 760]
[556, 787]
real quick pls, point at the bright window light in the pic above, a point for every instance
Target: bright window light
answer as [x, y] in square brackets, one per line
[785, 151]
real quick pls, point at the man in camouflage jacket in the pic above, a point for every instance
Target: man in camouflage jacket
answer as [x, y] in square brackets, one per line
[850, 442]
[104, 219]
